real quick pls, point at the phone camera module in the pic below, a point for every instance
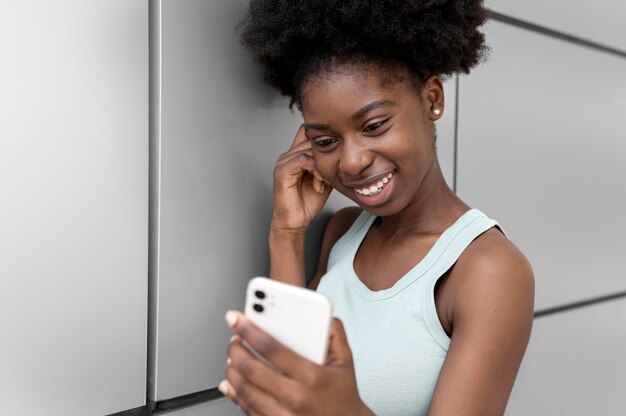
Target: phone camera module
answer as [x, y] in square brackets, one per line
[259, 294]
[258, 307]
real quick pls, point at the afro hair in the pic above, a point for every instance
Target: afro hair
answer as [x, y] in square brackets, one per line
[293, 39]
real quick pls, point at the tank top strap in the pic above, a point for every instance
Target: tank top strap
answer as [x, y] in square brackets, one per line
[448, 250]
[354, 236]
[456, 239]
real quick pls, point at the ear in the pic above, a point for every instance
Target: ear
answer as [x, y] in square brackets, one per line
[434, 98]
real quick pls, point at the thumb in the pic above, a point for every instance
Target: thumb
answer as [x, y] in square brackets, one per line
[338, 348]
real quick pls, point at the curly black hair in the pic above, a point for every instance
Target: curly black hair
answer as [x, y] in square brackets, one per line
[293, 39]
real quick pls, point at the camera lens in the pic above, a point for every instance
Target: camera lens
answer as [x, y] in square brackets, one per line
[258, 307]
[259, 294]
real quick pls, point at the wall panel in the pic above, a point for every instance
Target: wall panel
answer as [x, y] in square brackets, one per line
[541, 149]
[600, 21]
[74, 206]
[221, 131]
[574, 364]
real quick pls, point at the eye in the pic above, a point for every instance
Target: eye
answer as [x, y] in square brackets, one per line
[324, 143]
[374, 126]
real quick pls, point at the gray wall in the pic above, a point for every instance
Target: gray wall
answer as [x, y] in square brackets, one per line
[538, 146]
[73, 206]
[541, 148]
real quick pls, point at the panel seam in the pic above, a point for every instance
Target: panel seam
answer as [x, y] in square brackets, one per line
[523, 24]
[578, 304]
[155, 104]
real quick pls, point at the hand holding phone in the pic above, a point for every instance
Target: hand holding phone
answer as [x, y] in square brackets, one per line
[296, 374]
[296, 317]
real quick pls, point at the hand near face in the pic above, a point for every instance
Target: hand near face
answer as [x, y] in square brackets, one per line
[299, 387]
[299, 190]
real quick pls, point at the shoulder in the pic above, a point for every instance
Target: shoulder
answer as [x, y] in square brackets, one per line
[338, 225]
[492, 314]
[492, 273]
[494, 260]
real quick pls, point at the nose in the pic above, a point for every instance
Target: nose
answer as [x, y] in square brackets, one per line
[355, 158]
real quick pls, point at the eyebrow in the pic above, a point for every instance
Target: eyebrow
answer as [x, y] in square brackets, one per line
[371, 106]
[316, 126]
[356, 116]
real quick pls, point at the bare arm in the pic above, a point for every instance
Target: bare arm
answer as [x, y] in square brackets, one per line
[492, 320]
[287, 249]
[287, 256]
[299, 195]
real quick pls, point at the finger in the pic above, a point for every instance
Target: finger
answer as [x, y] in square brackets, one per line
[300, 137]
[296, 147]
[338, 347]
[249, 397]
[301, 148]
[257, 372]
[316, 179]
[263, 377]
[292, 364]
[306, 145]
[300, 158]
[297, 165]
[229, 392]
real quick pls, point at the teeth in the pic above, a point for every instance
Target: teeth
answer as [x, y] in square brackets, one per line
[374, 189]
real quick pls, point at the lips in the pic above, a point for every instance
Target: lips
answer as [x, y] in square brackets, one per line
[375, 187]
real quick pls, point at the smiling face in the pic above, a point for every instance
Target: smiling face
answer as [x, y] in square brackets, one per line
[372, 138]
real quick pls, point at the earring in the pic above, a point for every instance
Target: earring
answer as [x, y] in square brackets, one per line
[436, 111]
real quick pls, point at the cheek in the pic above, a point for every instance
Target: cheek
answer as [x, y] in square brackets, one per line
[422, 144]
[324, 164]
[407, 146]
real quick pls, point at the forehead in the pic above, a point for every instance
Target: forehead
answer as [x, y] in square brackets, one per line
[343, 90]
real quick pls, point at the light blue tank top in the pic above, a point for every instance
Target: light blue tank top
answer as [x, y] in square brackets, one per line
[397, 341]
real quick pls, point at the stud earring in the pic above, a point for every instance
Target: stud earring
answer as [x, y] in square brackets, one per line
[436, 111]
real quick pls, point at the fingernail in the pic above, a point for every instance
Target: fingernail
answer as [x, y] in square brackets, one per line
[228, 362]
[231, 318]
[322, 188]
[224, 387]
[233, 338]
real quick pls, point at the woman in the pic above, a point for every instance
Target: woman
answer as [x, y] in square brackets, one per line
[436, 302]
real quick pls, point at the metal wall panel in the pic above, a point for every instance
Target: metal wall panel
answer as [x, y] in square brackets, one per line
[541, 149]
[575, 364]
[600, 21]
[221, 130]
[74, 206]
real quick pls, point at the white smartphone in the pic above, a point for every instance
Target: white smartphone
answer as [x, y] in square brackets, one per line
[296, 317]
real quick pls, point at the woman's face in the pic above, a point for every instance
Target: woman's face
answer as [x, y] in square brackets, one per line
[372, 139]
